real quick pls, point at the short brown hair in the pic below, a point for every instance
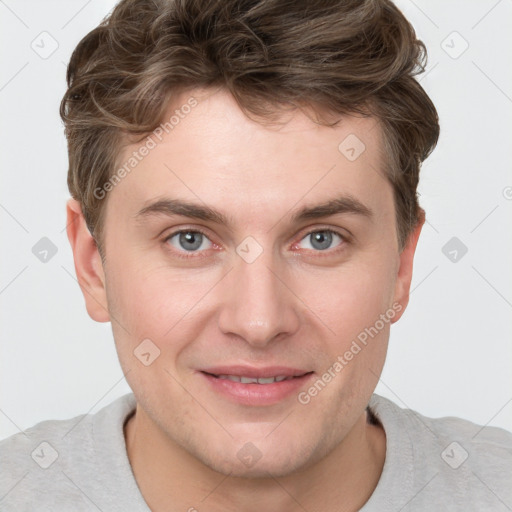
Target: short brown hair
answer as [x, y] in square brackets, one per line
[339, 56]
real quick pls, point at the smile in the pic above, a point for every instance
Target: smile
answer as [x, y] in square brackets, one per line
[255, 380]
[256, 389]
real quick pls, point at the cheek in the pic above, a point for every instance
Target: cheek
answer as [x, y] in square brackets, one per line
[157, 303]
[356, 306]
[150, 312]
[352, 297]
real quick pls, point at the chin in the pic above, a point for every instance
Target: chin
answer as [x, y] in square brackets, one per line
[256, 461]
[260, 470]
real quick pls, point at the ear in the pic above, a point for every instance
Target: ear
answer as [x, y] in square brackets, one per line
[88, 264]
[404, 275]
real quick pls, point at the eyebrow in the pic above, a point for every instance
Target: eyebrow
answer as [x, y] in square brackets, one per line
[346, 204]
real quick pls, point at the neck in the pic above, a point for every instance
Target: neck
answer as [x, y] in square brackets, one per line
[171, 479]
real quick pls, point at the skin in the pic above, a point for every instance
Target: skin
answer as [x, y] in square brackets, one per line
[295, 305]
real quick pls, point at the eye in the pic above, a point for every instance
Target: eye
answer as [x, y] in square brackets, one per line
[188, 240]
[189, 243]
[322, 239]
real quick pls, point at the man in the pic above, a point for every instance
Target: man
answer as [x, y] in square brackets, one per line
[244, 213]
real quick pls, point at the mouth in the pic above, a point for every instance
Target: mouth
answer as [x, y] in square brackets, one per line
[255, 386]
[244, 379]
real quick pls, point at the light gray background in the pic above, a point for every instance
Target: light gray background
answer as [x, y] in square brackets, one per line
[451, 352]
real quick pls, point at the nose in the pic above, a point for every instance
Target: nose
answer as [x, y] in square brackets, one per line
[258, 303]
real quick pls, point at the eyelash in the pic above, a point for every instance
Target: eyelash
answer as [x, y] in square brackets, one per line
[184, 255]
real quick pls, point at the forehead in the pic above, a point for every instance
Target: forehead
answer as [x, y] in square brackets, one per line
[209, 151]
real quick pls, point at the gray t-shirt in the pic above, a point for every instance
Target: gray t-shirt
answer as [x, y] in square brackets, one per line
[80, 464]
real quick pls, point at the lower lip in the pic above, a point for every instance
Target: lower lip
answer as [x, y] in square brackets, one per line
[257, 394]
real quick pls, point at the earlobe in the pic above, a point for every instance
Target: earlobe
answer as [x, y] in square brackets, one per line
[404, 275]
[88, 264]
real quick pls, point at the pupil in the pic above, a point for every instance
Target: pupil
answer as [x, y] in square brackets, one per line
[324, 238]
[189, 237]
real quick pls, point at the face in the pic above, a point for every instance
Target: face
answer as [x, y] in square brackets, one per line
[270, 287]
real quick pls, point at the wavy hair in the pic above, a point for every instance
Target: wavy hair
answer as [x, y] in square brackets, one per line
[338, 56]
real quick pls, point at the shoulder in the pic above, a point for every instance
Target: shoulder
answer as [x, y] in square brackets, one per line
[35, 463]
[487, 440]
[450, 459]
[482, 447]
[54, 462]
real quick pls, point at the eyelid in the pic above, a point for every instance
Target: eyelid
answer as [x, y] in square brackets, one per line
[342, 232]
[188, 230]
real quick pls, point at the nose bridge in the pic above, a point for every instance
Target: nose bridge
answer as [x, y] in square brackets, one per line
[257, 306]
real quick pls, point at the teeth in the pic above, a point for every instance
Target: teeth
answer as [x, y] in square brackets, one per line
[266, 380]
[254, 380]
[248, 380]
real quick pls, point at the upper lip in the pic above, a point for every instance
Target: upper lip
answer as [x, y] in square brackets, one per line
[255, 372]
